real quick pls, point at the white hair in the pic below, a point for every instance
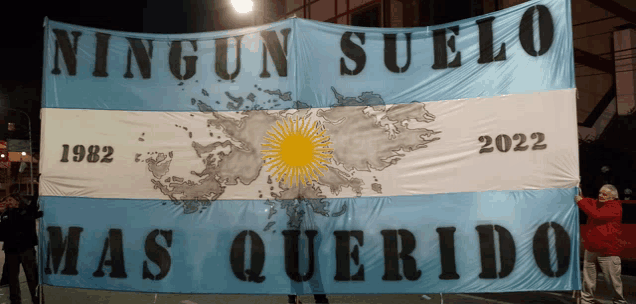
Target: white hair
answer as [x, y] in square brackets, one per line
[611, 189]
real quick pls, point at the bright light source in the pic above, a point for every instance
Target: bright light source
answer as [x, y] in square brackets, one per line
[23, 153]
[2, 155]
[242, 6]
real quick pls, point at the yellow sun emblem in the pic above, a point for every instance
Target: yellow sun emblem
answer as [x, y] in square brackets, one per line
[297, 150]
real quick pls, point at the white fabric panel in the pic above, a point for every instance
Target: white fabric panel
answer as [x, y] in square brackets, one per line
[450, 164]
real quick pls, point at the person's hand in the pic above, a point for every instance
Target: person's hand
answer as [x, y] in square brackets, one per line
[578, 198]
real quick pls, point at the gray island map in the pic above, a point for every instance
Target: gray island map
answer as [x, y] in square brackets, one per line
[365, 135]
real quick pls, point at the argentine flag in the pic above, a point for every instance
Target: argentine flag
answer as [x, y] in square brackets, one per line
[303, 157]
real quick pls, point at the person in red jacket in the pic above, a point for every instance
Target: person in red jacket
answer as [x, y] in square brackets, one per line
[601, 239]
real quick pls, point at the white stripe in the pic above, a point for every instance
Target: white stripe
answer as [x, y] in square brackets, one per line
[451, 164]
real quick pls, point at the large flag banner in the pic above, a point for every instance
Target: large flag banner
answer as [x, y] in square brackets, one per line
[304, 157]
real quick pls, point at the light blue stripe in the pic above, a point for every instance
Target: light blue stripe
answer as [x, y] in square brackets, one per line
[202, 241]
[313, 72]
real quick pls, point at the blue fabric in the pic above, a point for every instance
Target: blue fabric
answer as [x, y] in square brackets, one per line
[314, 55]
[200, 251]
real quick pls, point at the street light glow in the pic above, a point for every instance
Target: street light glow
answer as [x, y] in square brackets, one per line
[242, 6]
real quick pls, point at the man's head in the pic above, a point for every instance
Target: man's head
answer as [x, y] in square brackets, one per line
[607, 193]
